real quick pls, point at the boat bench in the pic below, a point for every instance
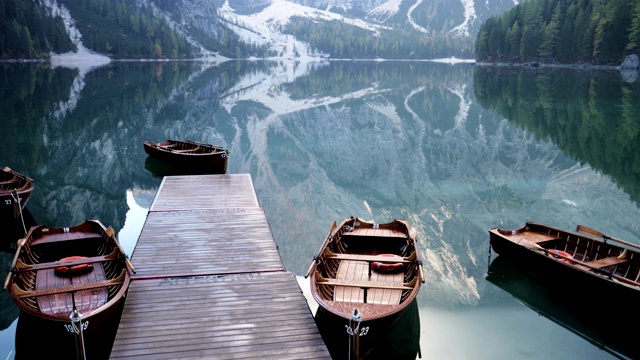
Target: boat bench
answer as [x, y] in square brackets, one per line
[54, 238]
[69, 288]
[371, 258]
[363, 284]
[608, 261]
[21, 266]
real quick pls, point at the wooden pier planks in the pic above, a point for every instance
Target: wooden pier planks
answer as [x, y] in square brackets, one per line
[203, 242]
[205, 192]
[210, 283]
[239, 316]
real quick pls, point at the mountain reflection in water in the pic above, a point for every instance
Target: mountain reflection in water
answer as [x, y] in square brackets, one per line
[601, 324]
[454, 150]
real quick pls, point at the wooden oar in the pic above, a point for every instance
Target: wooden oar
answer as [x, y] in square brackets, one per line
[112, 233]
[598, 270]
[412, 234]
[594, 232]
[324, 244]
[13, 263]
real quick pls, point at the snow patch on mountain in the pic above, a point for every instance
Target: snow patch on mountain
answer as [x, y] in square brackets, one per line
[383, 12]
[82, 58]
[413, 23]
[265, 27]
[469, 16]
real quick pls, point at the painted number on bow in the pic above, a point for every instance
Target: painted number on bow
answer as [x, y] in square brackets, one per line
[72, 327]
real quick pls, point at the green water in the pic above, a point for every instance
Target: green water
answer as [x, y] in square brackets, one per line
[455, 150]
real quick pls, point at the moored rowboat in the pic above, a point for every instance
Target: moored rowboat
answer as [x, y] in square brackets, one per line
[15, 191]
[205, 158]
[365, 276]
[587, 262]
[58, 270]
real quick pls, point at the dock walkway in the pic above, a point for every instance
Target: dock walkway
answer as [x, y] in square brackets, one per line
[209, 280]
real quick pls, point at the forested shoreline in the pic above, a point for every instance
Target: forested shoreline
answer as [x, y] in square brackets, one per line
[597, 32]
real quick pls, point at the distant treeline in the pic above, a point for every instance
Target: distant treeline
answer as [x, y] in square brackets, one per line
[126, 29]
[27, 32]
[343, 40]
[562, 31]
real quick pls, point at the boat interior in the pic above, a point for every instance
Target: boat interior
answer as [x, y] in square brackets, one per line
[350, 268]
[591, 254]
[84, 272]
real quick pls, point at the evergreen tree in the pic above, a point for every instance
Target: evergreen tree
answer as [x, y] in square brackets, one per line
[633, 43]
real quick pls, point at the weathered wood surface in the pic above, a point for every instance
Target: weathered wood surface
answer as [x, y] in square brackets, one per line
[205, 192]
[63, 302]
[210, 283]
[358, 272]
[203, 242]
[240, 316]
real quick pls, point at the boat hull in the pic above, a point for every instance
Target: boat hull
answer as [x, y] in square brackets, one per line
[594, 286]
[98, 334]
[15, 191]
[209, 159]
[395, 337]
[365, 277]
[56, 271]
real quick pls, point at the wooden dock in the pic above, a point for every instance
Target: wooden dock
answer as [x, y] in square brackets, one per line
[209, 280]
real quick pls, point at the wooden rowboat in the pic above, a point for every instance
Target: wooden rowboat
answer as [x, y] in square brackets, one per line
[15, 190]
[205, 158]
[58, 270]
[587, 262]
[365, 276]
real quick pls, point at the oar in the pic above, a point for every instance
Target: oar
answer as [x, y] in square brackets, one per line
[326, 241]
[112, 233]
[594, 232]
[13, 263]
[598, 270]
[412, 234]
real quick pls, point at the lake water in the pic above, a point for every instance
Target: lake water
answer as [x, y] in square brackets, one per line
[453, 149]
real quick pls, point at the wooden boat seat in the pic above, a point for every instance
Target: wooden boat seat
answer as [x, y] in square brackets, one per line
[355, 283]
[370, 258]
[10, 181]
[21, 266]
[365, 284]
[608, 261]
[52, 238]
[187, 151]
[534, 237]
[67, 284]
[375, 232]
[51, 299]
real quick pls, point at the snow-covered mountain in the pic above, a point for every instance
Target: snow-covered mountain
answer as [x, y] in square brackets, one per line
[335, 28]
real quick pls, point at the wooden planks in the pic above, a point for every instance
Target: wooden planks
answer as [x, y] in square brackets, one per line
[205, 192]
[209, 280]
[202, 242]
[358, 271]
[61, 302]
[239, 316]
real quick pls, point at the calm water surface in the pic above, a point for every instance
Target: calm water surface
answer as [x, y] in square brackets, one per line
[455, 150]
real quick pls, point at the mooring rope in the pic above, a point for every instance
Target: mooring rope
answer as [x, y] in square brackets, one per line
[16, 199]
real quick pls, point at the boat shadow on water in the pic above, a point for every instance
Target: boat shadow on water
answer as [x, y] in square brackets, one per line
[12, 230]
[401, 341]
[604, 324]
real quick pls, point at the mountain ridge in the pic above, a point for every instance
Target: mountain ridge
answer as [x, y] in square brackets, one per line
[219, 29]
